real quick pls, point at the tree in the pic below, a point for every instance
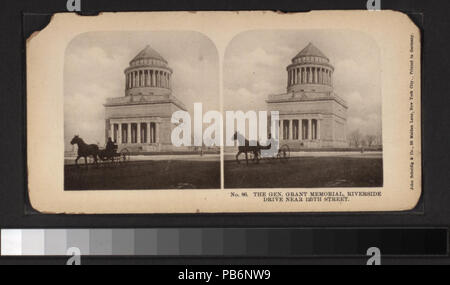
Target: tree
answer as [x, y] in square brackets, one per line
[355, 138]
[370, 139]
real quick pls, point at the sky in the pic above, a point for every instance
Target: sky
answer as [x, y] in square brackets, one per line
[255, 66]
[94, 70]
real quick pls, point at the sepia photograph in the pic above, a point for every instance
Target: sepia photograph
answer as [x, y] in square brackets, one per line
[120, 91]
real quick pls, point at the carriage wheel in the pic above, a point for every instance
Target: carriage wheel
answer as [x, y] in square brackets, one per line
[124, 155]
[251, 158]
[284, 153]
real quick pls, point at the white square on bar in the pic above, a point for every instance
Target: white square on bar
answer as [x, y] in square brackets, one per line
[11, 241]
[33, 242]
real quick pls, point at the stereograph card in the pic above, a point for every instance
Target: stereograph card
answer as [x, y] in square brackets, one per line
[217, 112]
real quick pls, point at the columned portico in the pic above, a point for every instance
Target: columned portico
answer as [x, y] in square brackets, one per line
[300, 128]
[146, 131]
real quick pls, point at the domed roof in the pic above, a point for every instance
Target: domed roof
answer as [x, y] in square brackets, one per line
[148, 53]
[310, 50]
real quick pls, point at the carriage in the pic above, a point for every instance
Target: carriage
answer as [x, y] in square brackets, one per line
[93, 151]
[248, 152]
[113, 155]
[282, 155]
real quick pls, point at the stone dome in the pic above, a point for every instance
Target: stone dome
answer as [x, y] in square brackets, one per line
[310, 71]
[148, 74]
[310, 51]
[146, 56]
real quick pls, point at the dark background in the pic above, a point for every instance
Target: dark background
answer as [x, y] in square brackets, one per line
[19, 18]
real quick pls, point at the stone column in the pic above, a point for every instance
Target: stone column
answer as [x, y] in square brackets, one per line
[139, 78]
[152, 77]
[309, 129]
[119, 135]
[280, 132]
[318, 129]
[157, 132]
[138, 132]
[148, 132]
[149, 77]
[288, 78]
[300, 126]
[291, 129]
[129, 133]
[110, 131]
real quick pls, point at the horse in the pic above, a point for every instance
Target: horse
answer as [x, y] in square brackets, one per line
[85, 150]
[246, 148]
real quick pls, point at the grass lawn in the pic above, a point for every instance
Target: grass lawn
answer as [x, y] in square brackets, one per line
[163, 174]
[306, 172]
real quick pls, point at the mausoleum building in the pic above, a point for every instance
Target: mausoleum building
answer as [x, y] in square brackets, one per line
[140, 120]
[312, 115]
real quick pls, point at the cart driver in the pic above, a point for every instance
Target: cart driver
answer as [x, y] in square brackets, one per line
[110, 147]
